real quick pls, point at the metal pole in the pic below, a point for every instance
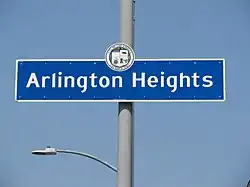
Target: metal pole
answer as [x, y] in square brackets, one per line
[125, 112]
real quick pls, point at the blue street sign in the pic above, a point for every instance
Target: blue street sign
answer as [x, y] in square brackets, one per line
[165, 80]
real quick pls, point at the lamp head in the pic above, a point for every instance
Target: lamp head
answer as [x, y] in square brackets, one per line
[47, 151]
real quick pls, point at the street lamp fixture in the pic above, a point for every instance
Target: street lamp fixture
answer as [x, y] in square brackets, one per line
[53, 151]
[248, 184]
[47, 151]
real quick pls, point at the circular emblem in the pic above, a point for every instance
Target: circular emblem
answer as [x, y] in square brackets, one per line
[120, 57]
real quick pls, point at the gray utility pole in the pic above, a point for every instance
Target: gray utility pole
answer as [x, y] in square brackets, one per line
[126, 112]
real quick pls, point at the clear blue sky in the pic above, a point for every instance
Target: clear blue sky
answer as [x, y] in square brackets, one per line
[176, 144]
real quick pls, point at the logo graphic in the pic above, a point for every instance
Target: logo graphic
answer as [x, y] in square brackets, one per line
[120, 57]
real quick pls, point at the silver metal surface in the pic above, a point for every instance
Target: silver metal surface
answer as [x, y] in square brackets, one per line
[126, 112]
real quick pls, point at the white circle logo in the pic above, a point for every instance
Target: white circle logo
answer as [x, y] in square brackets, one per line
[120, 57]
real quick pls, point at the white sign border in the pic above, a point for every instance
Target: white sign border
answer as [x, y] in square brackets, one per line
[122, 100]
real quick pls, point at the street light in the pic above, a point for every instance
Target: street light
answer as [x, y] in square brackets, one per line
[53, 151]
[248, 184]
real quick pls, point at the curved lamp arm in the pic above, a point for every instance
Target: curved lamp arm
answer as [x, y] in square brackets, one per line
[53, 151]
[88, 156]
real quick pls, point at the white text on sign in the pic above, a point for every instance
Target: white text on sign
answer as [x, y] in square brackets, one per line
[173, 82]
